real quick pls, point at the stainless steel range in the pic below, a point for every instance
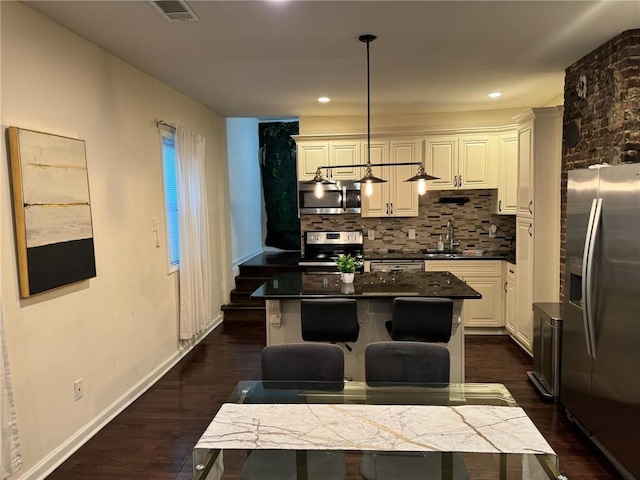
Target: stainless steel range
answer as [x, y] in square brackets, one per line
[322, 248]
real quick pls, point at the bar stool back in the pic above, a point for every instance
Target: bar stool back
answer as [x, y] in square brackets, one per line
[332, 320]
[421, 319]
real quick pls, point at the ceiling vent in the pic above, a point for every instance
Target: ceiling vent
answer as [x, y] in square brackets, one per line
[175, 10]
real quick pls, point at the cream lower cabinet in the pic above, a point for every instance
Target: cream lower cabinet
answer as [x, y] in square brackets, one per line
[523, 319]
[510, 306]
[485, 276]
[395, 197]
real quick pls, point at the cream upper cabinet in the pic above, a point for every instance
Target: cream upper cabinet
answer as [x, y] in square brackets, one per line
[377, 204]
[345, 152]
[311, 155]
[476, 164]
[485, 276]
[463, 161]
[506, 196]
[539, 159]
[394, 198]
[314, 154]
[403, 196]
[525, 170]
[441, 160]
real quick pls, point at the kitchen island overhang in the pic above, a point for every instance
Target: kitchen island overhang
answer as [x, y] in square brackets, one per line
[374, 293]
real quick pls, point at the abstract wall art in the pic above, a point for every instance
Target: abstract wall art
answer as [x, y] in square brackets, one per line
[52, 210]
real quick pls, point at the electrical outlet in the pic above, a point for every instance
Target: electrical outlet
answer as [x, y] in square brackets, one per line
[78, 389]
[412, 234]
[371, 235]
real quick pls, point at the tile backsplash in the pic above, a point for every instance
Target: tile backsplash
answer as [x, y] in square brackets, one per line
[471, 225]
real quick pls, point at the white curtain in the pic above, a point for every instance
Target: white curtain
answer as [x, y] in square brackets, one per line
[9, 440]
[195, 257]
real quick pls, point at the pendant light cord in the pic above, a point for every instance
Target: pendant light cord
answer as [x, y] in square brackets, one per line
[368, 39]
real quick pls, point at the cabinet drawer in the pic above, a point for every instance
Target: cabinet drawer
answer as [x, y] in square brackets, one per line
[462, 268]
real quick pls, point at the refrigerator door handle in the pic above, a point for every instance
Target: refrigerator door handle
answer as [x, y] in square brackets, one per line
[590, 296]
[586, 290]
[587, 258]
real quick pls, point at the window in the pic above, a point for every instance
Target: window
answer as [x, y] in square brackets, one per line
[171, 197]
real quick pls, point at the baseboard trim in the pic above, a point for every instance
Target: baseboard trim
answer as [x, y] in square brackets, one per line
[54, 459]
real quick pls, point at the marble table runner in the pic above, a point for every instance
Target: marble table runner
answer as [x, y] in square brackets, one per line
[467, 428]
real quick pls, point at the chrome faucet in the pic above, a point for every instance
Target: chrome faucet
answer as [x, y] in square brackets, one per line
[449, 237]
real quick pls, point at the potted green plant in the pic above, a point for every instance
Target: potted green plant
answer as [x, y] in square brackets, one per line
[347, 266]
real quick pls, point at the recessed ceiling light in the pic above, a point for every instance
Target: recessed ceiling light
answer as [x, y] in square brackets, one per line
[324, 99]
[495, 94]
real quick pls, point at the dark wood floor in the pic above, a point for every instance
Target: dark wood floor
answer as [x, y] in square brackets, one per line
[152, 438]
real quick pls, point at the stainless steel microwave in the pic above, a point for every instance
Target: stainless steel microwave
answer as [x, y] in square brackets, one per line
[337, 198]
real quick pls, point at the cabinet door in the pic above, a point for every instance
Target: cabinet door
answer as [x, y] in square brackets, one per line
[475, 168]
[311, 155]
[508, 184]
[403, 196]
[486, 312]
[524, 282]
[510, 306]
[525, 171]
[441, 160]
[345, 152]
[376, 205]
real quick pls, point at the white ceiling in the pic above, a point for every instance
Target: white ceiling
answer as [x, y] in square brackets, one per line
[273, 59]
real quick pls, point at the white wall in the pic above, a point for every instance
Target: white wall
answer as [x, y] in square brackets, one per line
[117, 330]
[245, 189]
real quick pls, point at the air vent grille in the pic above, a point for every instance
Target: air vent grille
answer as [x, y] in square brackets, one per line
[175, 10]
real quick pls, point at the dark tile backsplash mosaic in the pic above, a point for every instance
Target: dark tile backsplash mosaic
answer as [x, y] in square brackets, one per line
[471, 225]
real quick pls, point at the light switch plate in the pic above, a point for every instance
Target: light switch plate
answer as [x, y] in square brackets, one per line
[371, 235]
[412, 234]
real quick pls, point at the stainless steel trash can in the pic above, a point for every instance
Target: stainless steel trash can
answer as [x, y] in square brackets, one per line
[547, 341]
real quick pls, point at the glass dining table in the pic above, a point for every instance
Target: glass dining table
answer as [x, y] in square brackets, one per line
[477, 425]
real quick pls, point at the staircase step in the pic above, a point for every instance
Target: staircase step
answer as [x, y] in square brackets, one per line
[266, 270]
[234, 313]
[244, 298]
[248, 284]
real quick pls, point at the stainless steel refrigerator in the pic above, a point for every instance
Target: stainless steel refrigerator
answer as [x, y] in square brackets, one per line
[600, 379]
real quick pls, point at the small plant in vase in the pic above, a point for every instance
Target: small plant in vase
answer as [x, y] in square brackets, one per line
[347, 266]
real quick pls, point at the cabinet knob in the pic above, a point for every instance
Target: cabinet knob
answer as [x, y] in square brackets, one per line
[531, 207]
[459, 180]
[387, 209]
[530, 230]
[392, 209]
[505, 287]
[499, 205]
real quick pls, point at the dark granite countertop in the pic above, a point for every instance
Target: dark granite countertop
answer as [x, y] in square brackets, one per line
[433, 255]
[295, 285]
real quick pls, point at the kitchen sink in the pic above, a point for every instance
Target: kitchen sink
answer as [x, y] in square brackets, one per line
[442, 255]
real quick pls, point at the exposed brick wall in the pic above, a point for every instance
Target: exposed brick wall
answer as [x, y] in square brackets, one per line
[471, 225]
[608, 117]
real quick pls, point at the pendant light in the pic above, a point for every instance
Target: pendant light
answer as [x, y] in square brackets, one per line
[319, 181]
[369, 178]
[421, 177]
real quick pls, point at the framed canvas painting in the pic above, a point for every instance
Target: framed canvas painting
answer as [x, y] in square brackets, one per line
[52, 210]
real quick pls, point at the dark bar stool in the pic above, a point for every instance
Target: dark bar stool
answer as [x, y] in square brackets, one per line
[332, 320]
[420, 319]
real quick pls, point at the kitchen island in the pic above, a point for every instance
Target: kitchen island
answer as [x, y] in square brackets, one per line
[374, 292]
